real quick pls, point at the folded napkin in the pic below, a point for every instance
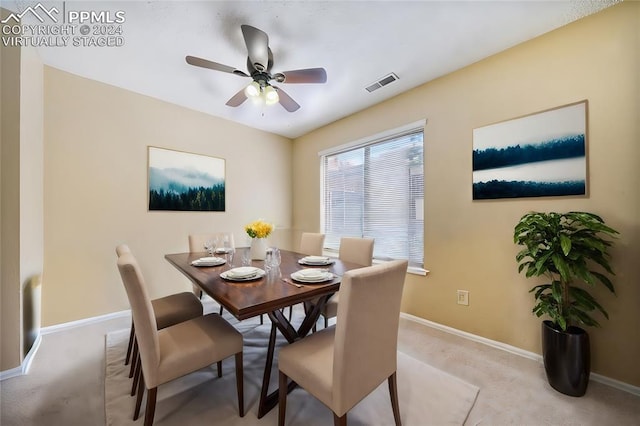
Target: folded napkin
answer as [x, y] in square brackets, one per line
[310, 274]
[316, 259]
[242, 272]
[208, 261]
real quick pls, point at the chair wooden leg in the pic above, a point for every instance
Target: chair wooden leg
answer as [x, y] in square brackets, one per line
[132, 336]
[290, 312]
[326, 322]
[151, 407]
[134, 357]
[240, 383]
[340, 421]
[393, 393]
[220, 309]
[219, 368]
[261, 320]
[136, 411]
[282, 398]
[136, 375]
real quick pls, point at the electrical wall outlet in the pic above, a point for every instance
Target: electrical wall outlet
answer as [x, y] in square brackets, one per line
[463, 297]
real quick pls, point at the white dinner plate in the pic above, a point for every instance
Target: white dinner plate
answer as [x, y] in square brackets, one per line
[312, 276]
[316, 260]
[209, 261]
[245, 273]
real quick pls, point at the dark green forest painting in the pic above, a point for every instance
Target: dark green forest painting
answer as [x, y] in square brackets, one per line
[182, 181]
[196, 199]
[540, 155]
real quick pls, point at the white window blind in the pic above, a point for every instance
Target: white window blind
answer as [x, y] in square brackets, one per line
[376, 190]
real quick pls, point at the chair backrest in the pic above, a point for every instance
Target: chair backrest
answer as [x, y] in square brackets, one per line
[356, 250]
[122, 249]
[311, 243]
[197, 241]
[366, 335]
[143, 315]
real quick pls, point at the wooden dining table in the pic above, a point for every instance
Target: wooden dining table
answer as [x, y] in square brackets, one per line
[266, 295]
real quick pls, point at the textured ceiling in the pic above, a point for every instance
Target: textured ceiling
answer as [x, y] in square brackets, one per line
[357, 42]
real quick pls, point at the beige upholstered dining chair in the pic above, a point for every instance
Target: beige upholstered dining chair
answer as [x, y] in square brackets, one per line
[168, 310]
[197, 244]
[353, 250]
[311, 243]
[176, 350]
[328, 364]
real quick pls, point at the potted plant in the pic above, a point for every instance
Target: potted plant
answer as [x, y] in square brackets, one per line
[566, 248]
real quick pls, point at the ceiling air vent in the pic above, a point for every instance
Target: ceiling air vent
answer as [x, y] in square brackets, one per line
[382, 82]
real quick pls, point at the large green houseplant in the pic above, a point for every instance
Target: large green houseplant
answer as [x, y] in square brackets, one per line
[567, 248]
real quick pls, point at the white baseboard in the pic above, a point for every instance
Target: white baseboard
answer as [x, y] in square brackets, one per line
[626, 387]
[26, 363]
[86, 321]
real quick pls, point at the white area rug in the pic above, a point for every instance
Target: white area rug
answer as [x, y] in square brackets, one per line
[428, 396]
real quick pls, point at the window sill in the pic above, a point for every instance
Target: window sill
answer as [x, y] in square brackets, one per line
[417, 271]
[411, 270]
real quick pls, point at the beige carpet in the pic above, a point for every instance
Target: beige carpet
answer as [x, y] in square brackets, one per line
[428, 396]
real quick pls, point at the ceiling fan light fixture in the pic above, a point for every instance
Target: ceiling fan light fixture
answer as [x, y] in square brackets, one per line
[252, 90]
[270, 95]
[259, 63]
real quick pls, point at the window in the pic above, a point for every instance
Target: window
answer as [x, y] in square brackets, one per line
[375, 189]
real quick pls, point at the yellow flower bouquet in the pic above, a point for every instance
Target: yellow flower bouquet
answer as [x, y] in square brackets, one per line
[258, 229]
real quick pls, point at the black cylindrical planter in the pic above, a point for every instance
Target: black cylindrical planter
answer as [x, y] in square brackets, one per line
[567, 358]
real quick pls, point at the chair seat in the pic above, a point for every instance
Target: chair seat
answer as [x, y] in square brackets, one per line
[176, 308]
[194, 344]
[331, 307]
[316, 373]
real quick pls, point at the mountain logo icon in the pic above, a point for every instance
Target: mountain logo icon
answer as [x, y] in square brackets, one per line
[38, 11]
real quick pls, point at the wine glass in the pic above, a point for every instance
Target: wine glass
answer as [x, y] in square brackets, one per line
[246, 257]
[210, 246]
[276, 258]
[267, 261]
[273, 261]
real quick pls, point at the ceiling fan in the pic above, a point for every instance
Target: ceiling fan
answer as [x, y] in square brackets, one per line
[259, 64]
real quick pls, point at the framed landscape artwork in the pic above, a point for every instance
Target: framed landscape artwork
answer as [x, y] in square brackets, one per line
[182, 181]
[539, 155]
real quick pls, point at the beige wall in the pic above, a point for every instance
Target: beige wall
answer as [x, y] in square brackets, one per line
[10, 207]
[22, 193]
[469, 245]
[31, 192]
[96, 139]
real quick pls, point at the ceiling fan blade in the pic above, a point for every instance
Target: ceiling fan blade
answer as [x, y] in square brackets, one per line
[237, 99]
[204, 63]
[286, 101]
[309, 75]
[257, 42]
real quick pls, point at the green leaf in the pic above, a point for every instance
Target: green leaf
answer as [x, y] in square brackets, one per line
[604, 280]
[562, 267]
[562, 323]
[565, 243]
[556, 291]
